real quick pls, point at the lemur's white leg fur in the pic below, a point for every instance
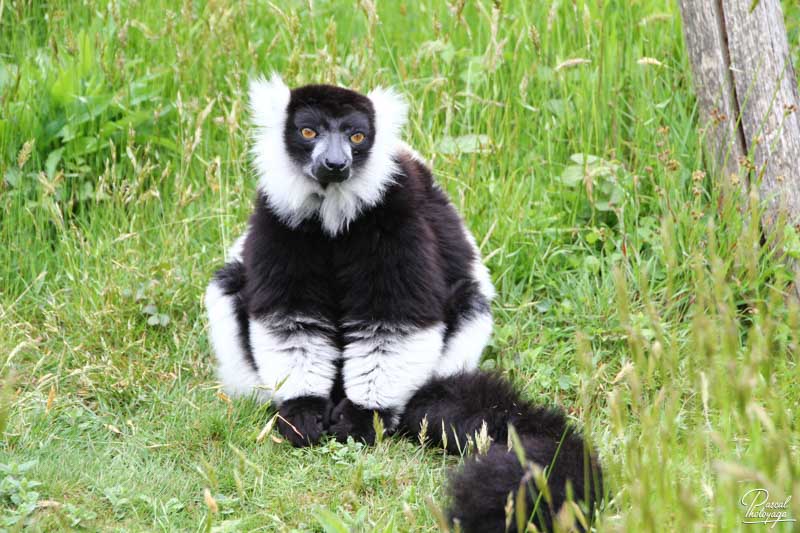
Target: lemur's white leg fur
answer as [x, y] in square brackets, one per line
[295, 356]
[237, 376]
[236, 251]
[479, 271]
[384, 364]
[235, 373]
[466, 344]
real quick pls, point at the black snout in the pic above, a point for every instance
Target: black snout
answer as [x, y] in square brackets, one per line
[336, 173]
[333, 171]
[333, 164]
[336, 166]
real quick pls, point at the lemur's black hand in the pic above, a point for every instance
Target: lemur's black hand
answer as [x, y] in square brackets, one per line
[301, 420]
[350, 420]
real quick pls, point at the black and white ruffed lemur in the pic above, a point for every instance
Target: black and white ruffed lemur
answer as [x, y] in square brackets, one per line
[357, 289]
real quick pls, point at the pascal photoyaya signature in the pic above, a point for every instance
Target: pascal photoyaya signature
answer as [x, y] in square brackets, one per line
[761, 510]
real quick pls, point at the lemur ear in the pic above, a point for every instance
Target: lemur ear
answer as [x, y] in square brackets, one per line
[390, 111]
[268, 101]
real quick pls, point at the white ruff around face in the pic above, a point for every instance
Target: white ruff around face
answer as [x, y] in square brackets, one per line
[295, 196]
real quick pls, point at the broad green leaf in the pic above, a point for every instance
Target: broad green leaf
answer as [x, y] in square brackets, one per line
[51, 164]
[571, 176]
[464, 144]
[330, 522]
[13, 175]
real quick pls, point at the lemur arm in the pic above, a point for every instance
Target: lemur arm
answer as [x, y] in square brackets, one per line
[468, 310]
[265, 345]
[292, 324]
[395, 292]
[406, 354]
[229, 327]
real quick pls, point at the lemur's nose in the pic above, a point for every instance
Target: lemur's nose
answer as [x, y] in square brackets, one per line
[337, 166]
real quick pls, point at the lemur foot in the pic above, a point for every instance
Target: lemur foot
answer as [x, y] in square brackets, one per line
[351, 420]
[301, 420]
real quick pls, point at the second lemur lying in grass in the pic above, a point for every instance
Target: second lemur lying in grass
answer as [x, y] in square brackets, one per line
[357, 289]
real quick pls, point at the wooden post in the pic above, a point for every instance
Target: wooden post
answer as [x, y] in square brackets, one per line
[748, 100]
[706, 43]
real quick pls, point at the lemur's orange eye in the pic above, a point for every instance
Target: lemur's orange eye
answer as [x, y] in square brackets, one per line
[308, 133]
[357, 138]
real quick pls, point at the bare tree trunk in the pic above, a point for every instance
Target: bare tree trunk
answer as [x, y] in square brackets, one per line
[707, 45]
[747, 92]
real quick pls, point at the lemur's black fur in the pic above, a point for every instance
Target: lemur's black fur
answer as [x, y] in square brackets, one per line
[403, 265]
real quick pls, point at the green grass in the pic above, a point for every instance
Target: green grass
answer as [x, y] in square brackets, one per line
[638, 299]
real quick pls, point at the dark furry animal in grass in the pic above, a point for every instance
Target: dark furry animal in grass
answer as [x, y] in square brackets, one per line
[460, 405]
[357, 289]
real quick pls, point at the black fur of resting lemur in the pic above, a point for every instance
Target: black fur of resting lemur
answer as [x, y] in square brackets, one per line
[357, 289]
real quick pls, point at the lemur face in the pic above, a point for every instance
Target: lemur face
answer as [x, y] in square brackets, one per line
[323, 152]
[329, 132]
